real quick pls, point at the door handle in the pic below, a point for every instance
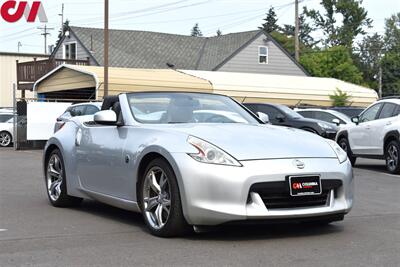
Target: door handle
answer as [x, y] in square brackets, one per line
[389, 123]
[368, 127]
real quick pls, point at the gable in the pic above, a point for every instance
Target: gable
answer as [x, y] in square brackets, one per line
[247, 58]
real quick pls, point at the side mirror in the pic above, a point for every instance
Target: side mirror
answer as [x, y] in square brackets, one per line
[356, 120]
[280, 118]
[263, 117]
[336, 121]
[106, 117]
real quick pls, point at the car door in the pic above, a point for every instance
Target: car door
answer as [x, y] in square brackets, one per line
[360, 135]
[102, 162]
[377, 131]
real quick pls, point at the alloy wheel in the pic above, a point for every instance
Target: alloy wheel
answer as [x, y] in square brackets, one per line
[392, 157]
[54, 177]
[156, 198]
[5, 139]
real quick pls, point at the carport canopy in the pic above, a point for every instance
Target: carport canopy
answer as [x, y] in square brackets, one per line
[70, 78]
[245, 87]
[288, 90]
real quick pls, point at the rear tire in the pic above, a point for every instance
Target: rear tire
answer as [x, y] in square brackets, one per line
[392, 151]
[160, 201]
[344, 144]
[56, 183]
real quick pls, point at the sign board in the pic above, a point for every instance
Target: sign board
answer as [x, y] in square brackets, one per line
[41, 117]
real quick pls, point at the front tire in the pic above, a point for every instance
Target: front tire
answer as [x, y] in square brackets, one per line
[5, 139]
[345, 145]
[160, 200]
[392, 151]
[56, 183]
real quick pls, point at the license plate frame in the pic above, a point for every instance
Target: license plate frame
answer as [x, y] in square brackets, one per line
[305, 185]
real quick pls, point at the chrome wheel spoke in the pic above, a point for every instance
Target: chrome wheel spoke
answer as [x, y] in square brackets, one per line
[158, 215]
[156, 198]
[54, 177]
[150, 203]
[392, 157]
[154, 184]
[5, 139]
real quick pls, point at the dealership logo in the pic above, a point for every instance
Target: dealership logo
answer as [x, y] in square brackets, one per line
[13, 11]
[297, 186]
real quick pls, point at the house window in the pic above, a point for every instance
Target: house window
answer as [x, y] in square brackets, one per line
[263, 55]
[70, 51]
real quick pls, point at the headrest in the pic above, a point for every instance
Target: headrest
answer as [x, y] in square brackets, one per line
[109, 102]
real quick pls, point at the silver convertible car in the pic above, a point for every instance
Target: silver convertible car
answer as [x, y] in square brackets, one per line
[195, 159]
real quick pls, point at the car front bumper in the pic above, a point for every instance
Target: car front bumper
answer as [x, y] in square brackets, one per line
[329, 134]
[216, 194]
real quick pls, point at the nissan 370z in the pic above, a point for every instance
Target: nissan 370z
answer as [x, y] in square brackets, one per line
[194, 159]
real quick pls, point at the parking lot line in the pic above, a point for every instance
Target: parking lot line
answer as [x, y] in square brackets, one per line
[3, 230]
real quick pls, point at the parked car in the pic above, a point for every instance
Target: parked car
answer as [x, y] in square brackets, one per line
[375, 134]
[81, 109]
[6, 129]
[349, 111]
[180, 171]
[327, 115]
[284, 116]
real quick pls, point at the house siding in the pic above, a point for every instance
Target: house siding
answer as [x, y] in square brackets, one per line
[81, 52]
[247, 60]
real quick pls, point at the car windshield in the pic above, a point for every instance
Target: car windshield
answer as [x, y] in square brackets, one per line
[290, 112]
[342, 116]
[156, 108]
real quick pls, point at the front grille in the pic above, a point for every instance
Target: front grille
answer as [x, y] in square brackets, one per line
[276, 195]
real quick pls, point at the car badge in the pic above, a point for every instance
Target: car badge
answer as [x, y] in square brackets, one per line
[299, 164]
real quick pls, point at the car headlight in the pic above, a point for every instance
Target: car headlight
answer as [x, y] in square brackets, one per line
[208, 153]
[340, 153]
[325, 126]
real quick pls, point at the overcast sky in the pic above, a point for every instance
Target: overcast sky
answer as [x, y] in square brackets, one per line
[171, 16]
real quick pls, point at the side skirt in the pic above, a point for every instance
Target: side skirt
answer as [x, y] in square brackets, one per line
[112, 201]
[369, 156]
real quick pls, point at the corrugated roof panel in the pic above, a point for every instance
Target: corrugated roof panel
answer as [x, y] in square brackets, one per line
[290, 90]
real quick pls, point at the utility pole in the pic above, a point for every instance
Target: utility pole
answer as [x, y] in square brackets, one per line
[106, 41]
[62, 18]
[19, 46]
[45, 33]
[296, 32]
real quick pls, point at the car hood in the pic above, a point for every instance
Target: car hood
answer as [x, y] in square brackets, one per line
[246, 142]
[315, 122]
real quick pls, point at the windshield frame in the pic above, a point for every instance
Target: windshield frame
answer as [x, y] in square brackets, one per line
[247, 115]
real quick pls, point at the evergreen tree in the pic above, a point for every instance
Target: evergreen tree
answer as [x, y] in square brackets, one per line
[270, 24]
[196, 31]
[219, 33]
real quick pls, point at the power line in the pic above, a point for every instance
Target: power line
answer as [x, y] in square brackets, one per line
[45, 33]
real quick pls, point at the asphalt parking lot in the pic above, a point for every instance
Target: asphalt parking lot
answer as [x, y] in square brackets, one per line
[32, 233]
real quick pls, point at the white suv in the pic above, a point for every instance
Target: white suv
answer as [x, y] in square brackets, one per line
[375, 134]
